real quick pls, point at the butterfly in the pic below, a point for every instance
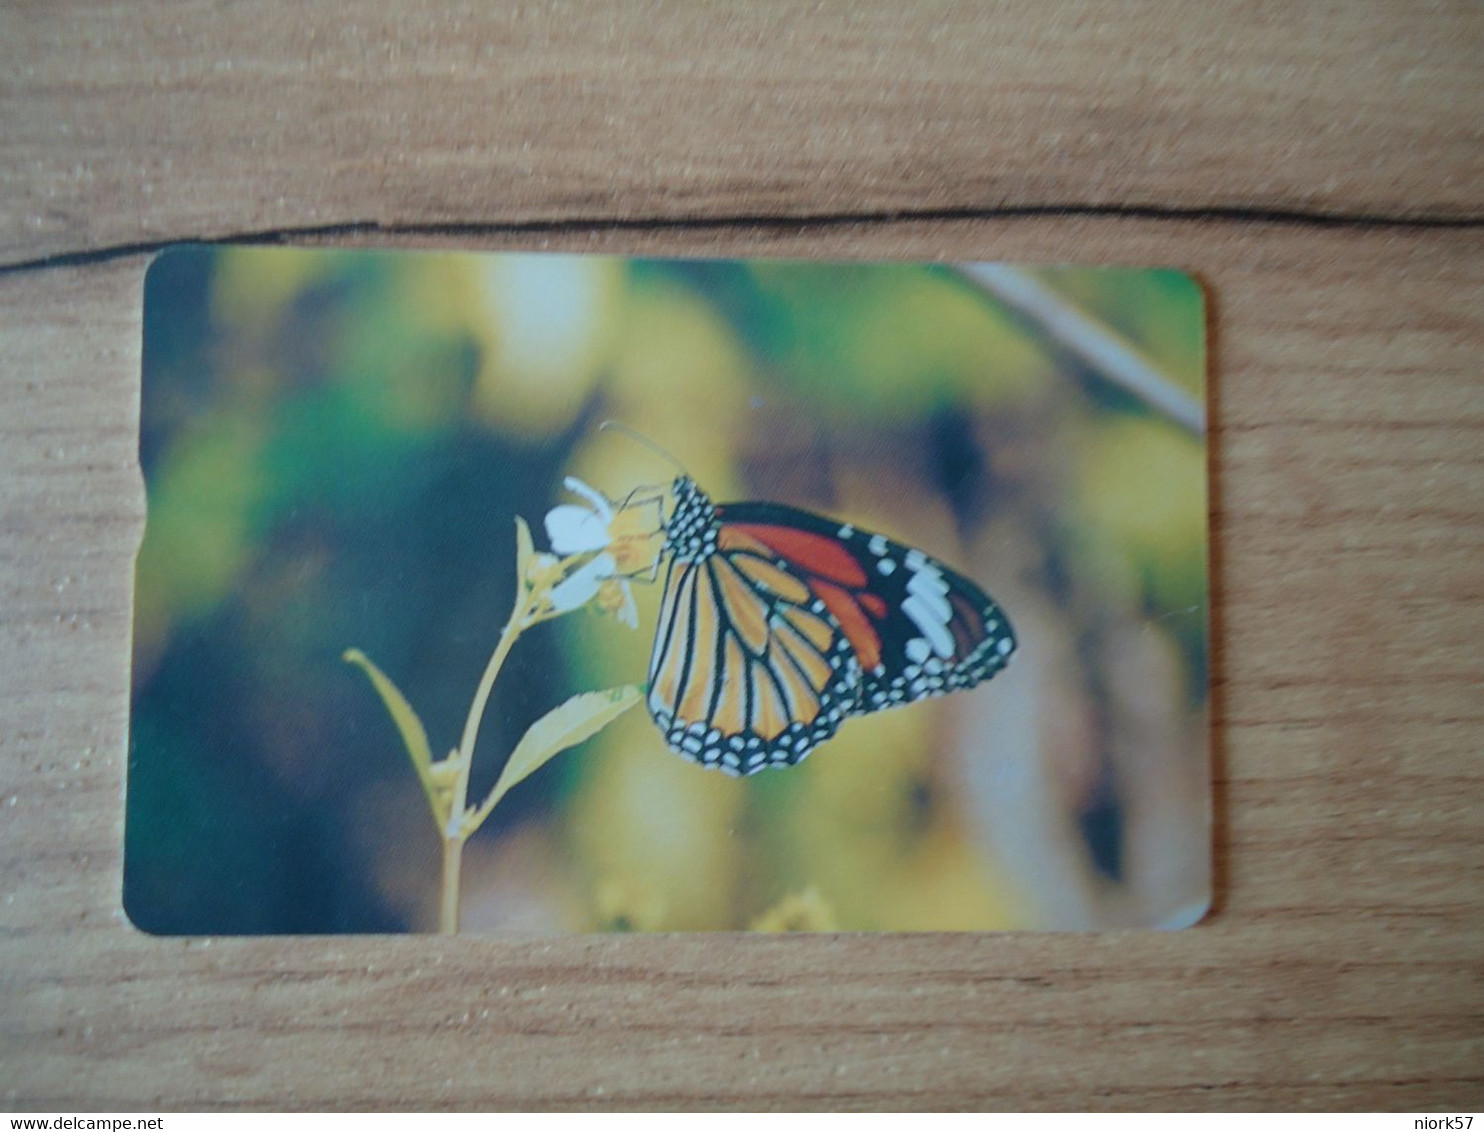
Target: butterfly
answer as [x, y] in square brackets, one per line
[777, 625]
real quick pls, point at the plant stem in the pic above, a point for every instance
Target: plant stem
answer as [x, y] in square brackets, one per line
[512, 630]
[448, 912]
[1093, 344]
[454, 834]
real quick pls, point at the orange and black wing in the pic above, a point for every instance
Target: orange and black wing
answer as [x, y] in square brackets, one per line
[917, 628]
[750, 669]
[790, 623]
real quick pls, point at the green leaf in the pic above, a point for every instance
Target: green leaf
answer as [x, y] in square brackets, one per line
[525, 551]
[581, 717]
[411, 727]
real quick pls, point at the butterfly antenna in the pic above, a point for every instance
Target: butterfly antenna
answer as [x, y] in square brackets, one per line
[633, 434]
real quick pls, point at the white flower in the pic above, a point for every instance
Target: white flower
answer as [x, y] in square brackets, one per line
[578, 530]
[582, 584]
[623, 542]
[633, 532]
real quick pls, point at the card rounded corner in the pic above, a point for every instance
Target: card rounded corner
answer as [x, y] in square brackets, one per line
[1190, 281]
[139, 923]
[1189, 915]
[163, 259]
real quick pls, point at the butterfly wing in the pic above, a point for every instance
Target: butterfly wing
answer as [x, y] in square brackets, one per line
[749, 669]
[778, 624]
[917, 628]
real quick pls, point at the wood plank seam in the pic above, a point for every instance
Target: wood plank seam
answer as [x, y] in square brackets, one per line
[777, 222]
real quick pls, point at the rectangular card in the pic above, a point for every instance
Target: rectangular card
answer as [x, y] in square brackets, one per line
[553, 594]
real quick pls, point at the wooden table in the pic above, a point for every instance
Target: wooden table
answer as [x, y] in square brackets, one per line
[1320, 166]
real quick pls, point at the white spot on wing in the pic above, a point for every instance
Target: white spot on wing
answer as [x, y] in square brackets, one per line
[932, 626]
[933, 590]
[918, 650]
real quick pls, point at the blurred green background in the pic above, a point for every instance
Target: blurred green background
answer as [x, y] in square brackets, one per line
[335, 445]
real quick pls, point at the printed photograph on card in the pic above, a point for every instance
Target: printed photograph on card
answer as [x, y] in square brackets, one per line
[536, 594]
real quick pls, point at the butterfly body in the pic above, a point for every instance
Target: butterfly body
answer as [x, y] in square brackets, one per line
[777, 625]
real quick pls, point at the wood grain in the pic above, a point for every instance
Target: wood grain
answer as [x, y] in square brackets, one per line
[142, 122]
[1344, 967]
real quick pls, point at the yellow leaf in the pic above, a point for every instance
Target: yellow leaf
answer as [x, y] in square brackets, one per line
[581, 717]
[525, 551]
[408, 724]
